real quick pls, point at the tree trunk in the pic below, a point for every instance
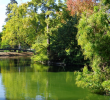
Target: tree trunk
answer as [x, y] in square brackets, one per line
[48, 40]
[48, 48]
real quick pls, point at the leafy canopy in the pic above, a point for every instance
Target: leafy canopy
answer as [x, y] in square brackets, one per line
[94, 38]
[79, 6]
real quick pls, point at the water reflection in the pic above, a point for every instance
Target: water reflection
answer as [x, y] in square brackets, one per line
[39, 67]
[14, 64]
[23, 80]
[25, 85]
[2, 91]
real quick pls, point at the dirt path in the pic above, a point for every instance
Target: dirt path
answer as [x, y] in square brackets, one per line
[16, 54]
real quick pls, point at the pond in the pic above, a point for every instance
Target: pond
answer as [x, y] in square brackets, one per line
[21, 80]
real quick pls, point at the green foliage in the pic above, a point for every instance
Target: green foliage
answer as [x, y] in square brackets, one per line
[93, 36]
[64, 46]
[40, 46]
[27, 27]
[49, 22]
[96, 8]
[16, 32]
[105, 2]
[1, 36]
[9, 9]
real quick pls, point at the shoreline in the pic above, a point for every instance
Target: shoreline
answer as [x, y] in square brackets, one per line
[16, 54]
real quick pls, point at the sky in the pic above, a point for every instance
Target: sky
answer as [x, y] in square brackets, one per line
[3, 5]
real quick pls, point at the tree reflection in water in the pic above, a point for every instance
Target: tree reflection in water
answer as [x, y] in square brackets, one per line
[23, 80]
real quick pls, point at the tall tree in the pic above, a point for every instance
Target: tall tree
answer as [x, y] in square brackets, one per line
[9, 9]
[64, 46]
[48, 9]
[94, 38]
[13, 34]
[79, 6]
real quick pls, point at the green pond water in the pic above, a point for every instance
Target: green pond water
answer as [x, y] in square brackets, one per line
[21, 80]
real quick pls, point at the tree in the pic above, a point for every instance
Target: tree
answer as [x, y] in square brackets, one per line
[64, 46]
[31, 24]
[79, 6]
[94, 38]
[44, 30]
[48, 10]
[48, 7]
[8, 9]
[14, 33]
